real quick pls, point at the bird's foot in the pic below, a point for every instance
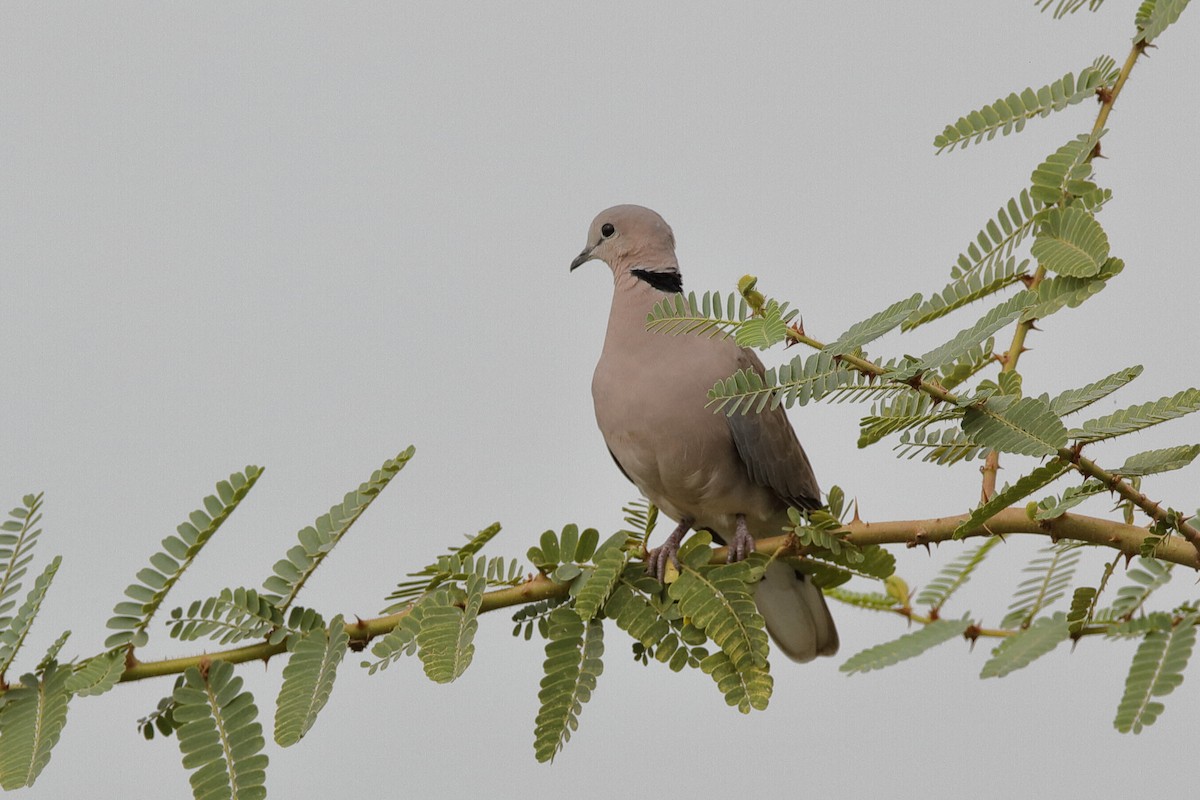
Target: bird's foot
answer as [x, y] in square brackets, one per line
[742, 544]
[656, 560]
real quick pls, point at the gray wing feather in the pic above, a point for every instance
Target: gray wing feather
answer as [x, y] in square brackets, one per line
[618, 463]
[771, 452]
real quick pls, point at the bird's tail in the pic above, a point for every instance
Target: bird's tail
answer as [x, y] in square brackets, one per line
[796, 615]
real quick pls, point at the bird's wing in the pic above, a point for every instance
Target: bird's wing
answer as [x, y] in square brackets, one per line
[771, 452]
[618, 463]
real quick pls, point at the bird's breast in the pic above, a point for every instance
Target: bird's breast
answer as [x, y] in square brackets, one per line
[651, 409]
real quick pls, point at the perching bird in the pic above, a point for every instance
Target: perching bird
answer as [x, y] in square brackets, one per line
[734, 476]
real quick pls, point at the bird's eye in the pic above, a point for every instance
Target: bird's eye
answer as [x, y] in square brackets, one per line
[607, 230]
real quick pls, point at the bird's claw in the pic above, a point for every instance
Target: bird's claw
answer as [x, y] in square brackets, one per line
[742, 544]
[656, 559]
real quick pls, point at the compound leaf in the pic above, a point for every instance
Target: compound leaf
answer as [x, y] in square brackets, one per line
[1152, 462]
[1050, 575]
[1072, 400]
[1137, 418]
[219, 734]
[31, 721]
[446, 641]
[317, 540]
[1009, 114]
[907, 646]
[1156, 671]
[1020, 650]
[1071, 242]
[954, 575]
[18, 628]
[131, 618]
[308, 680]
[871, 328]
[1025, 426]
[573, 662]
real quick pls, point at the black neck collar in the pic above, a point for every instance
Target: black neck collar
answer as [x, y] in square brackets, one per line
[669, 282]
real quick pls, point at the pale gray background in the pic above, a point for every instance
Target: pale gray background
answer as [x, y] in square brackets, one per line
[304, 236]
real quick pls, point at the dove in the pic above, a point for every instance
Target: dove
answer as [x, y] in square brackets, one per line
[734, 476]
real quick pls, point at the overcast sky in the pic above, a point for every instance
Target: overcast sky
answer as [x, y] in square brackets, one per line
[304, 237]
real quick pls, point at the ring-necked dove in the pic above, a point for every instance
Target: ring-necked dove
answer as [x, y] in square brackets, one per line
[734, 476]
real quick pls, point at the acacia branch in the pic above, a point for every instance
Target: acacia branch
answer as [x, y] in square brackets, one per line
[913, 533]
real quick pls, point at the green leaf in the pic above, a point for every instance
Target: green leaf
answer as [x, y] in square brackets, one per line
[746, 689]
[535, 614]
[1152, 576]
[51, 654]
[943, 447]
[1152, 462]
[907, 646]
[1138, 627]
[446, 639]
[871, 328]
[1051, 574]
[720, 601]
[641, 516]
[1161, 15]
[1062, 291]
[1020, 650]
[1000, 236]
[219, 734]
[1073, 400]
[901, 412]
[1010, 494]
[1139, 417]
[635, 614]
[308, 680]
[1053, 507]
[599, 584]
[1065, 174]
[954, 575]
[319, 539]
[994, 320]
[1156, 671]
[833, 569]
[18, 536]
[97, 675]
[709, 315]
[976, 285]
[819, 529]
[763, 331]
[1065, 7]
[1025, 426]
[447, 567]
[131, 620]
[573, 662]
[872, 601]
[568, 542]
[162, 718]
[968, 365]
[12, 638]
[232, 616]
[31, 721]
[1009, 114]
[798, 382]
[1083, 608]
[1070, 242]
[400, 640]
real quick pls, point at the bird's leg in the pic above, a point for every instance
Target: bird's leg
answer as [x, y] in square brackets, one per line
[742, 544]
[656, 561]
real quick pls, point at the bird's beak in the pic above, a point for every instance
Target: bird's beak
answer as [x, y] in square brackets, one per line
[582, 258]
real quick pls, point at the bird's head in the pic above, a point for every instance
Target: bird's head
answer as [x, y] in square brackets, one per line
[628, 237]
